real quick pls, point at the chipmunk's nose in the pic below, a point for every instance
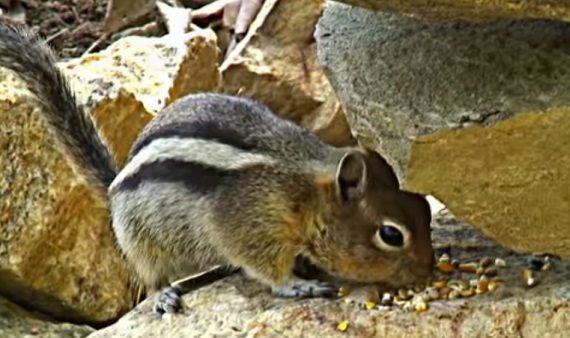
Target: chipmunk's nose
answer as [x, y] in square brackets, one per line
[425, 265]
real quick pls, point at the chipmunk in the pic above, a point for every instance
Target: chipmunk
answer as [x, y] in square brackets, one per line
[219, 182]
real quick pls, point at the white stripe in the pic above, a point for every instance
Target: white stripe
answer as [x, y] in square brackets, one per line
[211, 153]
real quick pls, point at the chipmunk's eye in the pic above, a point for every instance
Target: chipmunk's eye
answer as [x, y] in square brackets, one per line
[391, 235]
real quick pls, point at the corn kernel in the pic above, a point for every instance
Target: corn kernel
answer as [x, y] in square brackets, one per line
[342, 326]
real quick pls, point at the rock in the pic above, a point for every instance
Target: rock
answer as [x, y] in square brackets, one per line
[430, 97]
[16, 322]
[236, 307]
[276, 64]
[57, 252]
[470, 10]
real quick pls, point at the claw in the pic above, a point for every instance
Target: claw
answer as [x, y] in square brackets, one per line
[168, 301]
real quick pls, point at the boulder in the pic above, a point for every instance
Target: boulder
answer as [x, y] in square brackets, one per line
[276, 63]
[57, 253]
[470, 10]
[236, 307]
[474, 114]
[15, 322]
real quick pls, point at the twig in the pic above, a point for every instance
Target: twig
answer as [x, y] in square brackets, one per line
[56, 35]
[95, 44]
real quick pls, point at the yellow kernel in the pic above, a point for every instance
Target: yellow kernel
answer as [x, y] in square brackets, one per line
[493, 286]
[342, 291]
[421, 307]
[342, 326]
[369, 305]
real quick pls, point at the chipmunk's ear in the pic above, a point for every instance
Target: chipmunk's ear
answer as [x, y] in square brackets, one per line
[351, 176]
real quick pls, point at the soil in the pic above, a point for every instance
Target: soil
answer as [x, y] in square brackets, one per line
[71, 26]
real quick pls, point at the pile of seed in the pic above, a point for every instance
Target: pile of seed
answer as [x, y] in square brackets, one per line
[485, 278]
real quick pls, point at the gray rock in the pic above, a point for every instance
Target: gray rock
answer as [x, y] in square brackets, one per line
[401, 77]
[473, 114]
[471, 10]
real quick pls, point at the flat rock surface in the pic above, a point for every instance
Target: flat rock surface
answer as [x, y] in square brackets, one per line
[472, 10]
[236, 307]
[430, 96]
[16, 322]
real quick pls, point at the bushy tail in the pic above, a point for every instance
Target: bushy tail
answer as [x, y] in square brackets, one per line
[35, 64]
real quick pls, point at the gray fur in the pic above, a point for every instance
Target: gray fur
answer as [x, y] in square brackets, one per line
[35, 64]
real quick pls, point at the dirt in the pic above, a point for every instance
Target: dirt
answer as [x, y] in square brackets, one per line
[72, 27]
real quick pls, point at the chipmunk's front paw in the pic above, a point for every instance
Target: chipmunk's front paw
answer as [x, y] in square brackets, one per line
[306, 289]
[169, 300]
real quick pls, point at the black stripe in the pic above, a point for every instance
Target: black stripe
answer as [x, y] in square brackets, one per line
[197, 177]
[205, 130]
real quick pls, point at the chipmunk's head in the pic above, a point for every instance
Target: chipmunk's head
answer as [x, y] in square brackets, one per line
[369, 230]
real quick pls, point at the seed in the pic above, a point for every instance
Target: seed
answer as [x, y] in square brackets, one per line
[386, 299]
[468, 267]
[480, 270]
[453, 294]
[369, 305]
[421, 307]
[500, 263]
[342, 326]
[400, 302]
[444, 258]
[403, 294]
[493, 286]
[490, 271]
[546, 265]
[485, 262]
[473, 282]
[529, 277]
[411, 293]
[440, 284]
[407, 306]
[497, 280]
[457, 284]
[482, 286]
[467, 293]
[444, 292]
[444, 267]
[431, 293]
[455, 263]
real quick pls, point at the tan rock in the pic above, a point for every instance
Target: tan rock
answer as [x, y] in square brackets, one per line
[518, 192]
[57, 253]
[16, 322]
[470, 9]
[238, 308]
[276, 64]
